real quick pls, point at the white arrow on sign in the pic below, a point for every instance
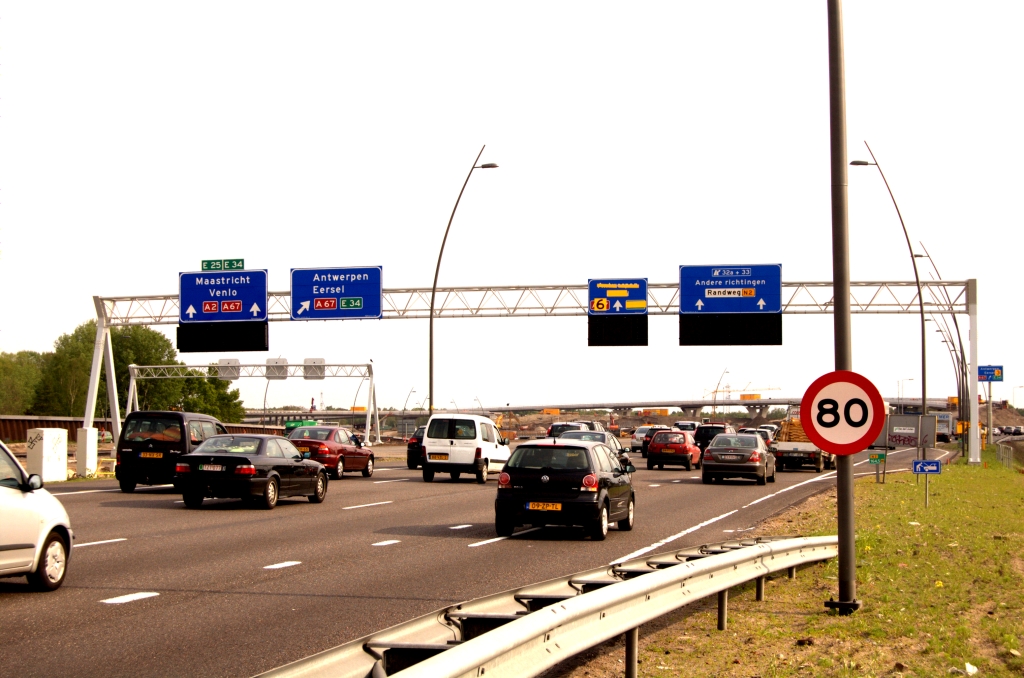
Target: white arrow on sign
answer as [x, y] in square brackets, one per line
[190, 311]
[700, 304]
[618, 305]
[761, 304]
[254, 310]
[304, 306]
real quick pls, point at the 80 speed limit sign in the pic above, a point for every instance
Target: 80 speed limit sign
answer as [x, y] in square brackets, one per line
[842, 412]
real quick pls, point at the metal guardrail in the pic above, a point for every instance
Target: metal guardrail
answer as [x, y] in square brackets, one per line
[1007, 455]
[526, 631]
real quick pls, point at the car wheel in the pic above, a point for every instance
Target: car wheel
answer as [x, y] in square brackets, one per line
[340, 471]
[127, 486]
[503, 527]
[481, 475]
[193, 500]
[650, 465]
[819, 465]
[52, 564]
[321, 488]
[775, 469]
[763, 479]
[599, 530]
[410, 463]
[368, 471]
[428, 475]
[689, 464]
[455, 475]
[705, 478]
[626, 524]
[270, 494]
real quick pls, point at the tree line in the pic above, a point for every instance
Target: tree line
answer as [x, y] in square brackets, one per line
[55, 383]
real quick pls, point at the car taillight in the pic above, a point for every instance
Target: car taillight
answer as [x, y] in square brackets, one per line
[245, 469]
[589, 483]
[182, 468]
[323, 449]
[118, 462]
[504, 481]
[755, 456]
[479, 453]
[549, 430]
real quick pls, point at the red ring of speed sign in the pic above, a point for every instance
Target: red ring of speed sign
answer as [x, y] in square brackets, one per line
[842, 412]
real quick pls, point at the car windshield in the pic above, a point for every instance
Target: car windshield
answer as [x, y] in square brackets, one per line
[706, 433]
[669, 438]
[229, 445]
[311, 434]
[686, 426]
[654, 429]
[548, 457]
[584, 435]
[161, 428]
[642, 430]
[559, 429]
[457, 429]
[742, 442]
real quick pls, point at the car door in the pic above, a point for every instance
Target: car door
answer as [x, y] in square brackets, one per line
[489, 447]
[303, 470]
[346, 449]
[692, 449]
[19, 528]
[282, 464]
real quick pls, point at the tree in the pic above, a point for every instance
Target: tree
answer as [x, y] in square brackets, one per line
[139, 345]
[777, 413]
[210, 395]
[19, 377]
[64, 377]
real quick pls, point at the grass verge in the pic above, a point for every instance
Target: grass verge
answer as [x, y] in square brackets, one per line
[942, 587]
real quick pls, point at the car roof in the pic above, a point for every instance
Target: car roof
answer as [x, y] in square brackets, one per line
[149, 413]
[263, 436]
[554, 442]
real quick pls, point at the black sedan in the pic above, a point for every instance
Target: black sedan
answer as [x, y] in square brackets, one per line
[564, 482]
[414, 450]
[732, 455]
[255, 468]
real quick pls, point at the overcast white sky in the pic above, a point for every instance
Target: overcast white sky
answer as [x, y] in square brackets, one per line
[139, 138]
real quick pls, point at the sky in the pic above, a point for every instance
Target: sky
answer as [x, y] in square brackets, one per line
[137, 139]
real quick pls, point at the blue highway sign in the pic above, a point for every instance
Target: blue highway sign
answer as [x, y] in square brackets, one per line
[337, 293]
[932, 466]
[618, 296]
[220, 296]
[990, 372]
[730, 289]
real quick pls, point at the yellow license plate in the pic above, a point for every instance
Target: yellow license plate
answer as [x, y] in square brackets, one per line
[303, 449]
[542, 506]
[152, 455]
[438, 457]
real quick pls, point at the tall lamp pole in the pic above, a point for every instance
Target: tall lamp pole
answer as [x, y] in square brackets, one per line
[411, 391]
[714, 396]
[433, 291]
[922, 452]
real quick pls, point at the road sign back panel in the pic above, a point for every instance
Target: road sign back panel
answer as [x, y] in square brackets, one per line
[337, 293]
[221, 296]
[753, 288]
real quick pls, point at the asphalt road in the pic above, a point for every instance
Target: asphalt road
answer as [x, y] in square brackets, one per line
[377, 552]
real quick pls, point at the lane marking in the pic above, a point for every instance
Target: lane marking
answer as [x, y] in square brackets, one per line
[677, 481]
[278, 566]
[398, 480]
[666, 540]
[459, 527]
[387, 542]
[376, 503]
[105, 541]
[816, 479]
[491, 541]
[654, 486]
[129, 598]
[141, 489]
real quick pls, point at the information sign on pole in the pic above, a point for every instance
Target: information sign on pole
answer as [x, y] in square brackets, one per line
[219, 296]
[927, 466]
[876, 457]
[842, 412]
[337, 293]
[990, 372]
[618, 296]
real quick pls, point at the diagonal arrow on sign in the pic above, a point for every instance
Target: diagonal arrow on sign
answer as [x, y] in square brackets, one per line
[304, 306]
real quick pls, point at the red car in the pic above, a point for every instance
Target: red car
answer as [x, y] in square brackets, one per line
[338, 449]
[673, 447]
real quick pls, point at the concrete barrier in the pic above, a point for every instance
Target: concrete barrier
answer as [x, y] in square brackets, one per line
[86, 452]
[48, 454]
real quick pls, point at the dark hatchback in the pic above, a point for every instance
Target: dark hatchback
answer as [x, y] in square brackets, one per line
[414, 450]
[705, 433]
[555, 482]
[738, 456]
[648, 436]
[258, 469]
[151, 443]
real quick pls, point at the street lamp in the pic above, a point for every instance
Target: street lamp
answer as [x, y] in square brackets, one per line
[477, 399]
[437, 270]
[714, 396]
[920, 298]
[456, 406]
[411, 391]
[900, 392]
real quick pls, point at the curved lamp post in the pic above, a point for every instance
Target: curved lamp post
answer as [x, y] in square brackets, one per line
[437, 270]
[922, 453]
[411, 391]
[714, 396]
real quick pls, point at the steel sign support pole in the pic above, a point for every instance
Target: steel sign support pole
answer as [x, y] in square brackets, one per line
[974, 445]
[632, 651]
[847, 602]
[93, 390]
[115, 408]
[369, 409]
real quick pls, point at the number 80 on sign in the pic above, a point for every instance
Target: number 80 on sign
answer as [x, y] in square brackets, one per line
[842, 412]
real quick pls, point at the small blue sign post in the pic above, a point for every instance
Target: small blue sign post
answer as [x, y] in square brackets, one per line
[337, 293]
[730, 289]
[927, 468]
[617, 296]
[220, 296]
[990, 372]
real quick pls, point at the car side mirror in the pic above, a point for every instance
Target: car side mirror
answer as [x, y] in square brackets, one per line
[630, 469]
[34, 483]
[504, 441]
[357, 442]
[307, 455]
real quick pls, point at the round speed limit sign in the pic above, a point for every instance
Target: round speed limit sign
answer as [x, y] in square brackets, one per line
[842, 412]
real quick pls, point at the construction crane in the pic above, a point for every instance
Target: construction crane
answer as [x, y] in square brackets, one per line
[729, 390]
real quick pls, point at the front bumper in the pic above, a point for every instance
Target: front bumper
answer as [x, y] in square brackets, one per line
[581, 510]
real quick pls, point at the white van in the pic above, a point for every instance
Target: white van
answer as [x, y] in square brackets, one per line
[462, 443]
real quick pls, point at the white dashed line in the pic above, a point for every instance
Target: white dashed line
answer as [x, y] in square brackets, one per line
[376, 503]
[141, 489]
[459, 527]
[666, 540]
[129, 598]
[105, 541]
[397, 480]
[677, 481]
[278, 566]
[388, 542]
[827, 476]
[491, 541]
[654, 486]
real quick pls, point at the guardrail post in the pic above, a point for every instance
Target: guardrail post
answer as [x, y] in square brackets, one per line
[759, 588]
[791, 572]
[723, 610]
[632, 651]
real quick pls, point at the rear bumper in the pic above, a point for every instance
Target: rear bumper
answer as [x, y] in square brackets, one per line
[156, 473]
[674, 458]
[579, 511]
[225, 488]
[734, 470]
[454, 467]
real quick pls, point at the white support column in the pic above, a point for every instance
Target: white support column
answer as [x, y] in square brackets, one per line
[115, 408]
[97, 361]
[376, 412]
[974, 434]
[369, 405]
[131, 402]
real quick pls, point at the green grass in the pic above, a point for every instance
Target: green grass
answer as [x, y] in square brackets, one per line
[937, 594]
